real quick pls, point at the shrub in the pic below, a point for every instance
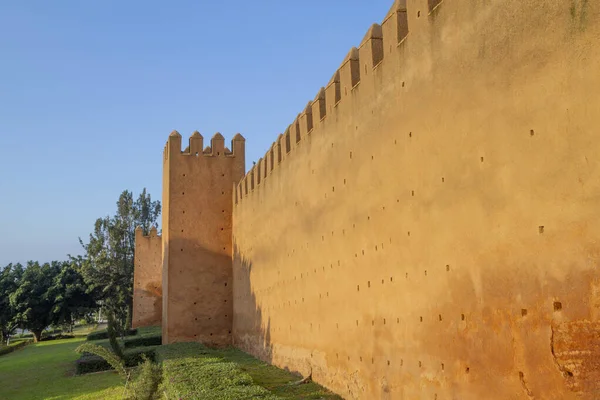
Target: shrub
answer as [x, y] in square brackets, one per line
[103, 334]
[9, 349]
[55, 337]
[192, 371]
[143, 341]
[93, 353]
[112, 337]
[146, 385]
[94, 363]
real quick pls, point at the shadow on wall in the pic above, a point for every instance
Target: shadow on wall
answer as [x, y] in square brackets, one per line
[198, 293]
[251, 333]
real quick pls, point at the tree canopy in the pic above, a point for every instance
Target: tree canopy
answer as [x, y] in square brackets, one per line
[108, 263]
[58, 293]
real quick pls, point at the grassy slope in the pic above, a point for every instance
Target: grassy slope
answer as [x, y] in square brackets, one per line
[192, 371]
[44, 371]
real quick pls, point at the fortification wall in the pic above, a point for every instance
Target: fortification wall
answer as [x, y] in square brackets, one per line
[147, 279]
[197, 238]
[428, 227]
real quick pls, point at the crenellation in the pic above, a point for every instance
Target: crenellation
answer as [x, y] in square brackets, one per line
[289, 143]
[173, 144]
[394, 27]
[332, 92]
[196, 143]
[306, 121]
[279, 144]
[294, 132]
[238, 146]
[319, 107]
[371, 50]
[272, 150]
[217, 143]
[259, 168]
[349, 73]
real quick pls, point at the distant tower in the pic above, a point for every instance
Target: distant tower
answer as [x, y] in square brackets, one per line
[147, 279]
[197, 238]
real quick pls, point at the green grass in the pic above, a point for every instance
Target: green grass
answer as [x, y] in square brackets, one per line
[192, 371]
[44, 371]
[276, 380]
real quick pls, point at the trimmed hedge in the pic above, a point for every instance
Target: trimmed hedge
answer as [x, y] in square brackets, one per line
[55, 337]
[92, 363]
[9, 349]
[103, 334]
[192, 371]
[143, 341]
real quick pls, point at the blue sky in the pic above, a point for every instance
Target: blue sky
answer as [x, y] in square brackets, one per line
[90, 90]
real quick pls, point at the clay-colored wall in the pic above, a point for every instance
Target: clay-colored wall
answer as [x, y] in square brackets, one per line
[197, 238]
[435, 235]
[147, 279]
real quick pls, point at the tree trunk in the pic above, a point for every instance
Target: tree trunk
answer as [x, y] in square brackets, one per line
[37, 335]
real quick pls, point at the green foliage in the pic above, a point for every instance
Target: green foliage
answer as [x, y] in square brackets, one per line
[193, 371]
[32, 300]
[143, 341]
[146, 385]
[112, 337]
[103, 334]
[45, 371]
[105, 355]
[131, 358]
[109, 260]
[10, 277]
[70, 293]
[190, 371]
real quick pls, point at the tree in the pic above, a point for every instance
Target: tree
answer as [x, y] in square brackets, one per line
[32, 299]
[10, 278]
[109, 255]
[71, 297]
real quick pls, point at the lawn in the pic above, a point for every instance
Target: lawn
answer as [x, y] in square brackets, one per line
[44, 371]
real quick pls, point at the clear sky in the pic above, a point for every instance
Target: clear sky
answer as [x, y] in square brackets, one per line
[90, 90]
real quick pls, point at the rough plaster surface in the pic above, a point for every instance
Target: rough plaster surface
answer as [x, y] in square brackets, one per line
[147, 280]
[197, 238]
[435, 235]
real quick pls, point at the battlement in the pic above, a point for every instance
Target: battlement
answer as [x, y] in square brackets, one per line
[152, 233]
[356, 67]
[196, 147]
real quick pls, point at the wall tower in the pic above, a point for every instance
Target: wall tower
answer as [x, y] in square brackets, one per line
[147, 281]
[197, 238]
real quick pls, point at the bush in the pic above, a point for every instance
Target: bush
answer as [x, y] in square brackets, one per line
[132, 357]
[112, 360]
[103, 334]
[9, 349]
[55, 337]
[112, 337]
[146, 385]
[143, 341]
